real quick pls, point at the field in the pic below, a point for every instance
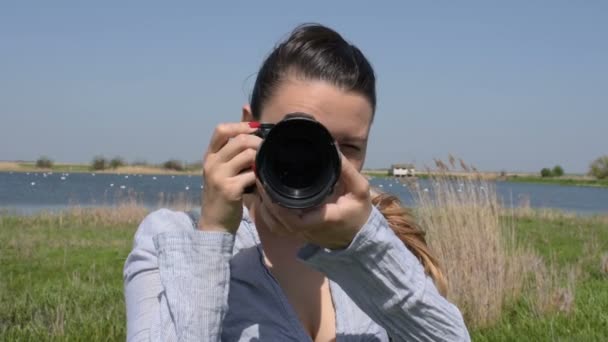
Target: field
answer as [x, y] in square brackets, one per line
[62, 277]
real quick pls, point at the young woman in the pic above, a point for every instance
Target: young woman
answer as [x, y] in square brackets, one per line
[355, 268]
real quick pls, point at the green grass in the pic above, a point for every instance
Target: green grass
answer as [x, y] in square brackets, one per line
[559, 181]
[377, 173]
[565, 241]
[61, 279]
[587, 322]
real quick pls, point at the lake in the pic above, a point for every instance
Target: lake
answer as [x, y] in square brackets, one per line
[31, 192]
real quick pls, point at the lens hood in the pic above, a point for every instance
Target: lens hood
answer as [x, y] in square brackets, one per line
[298, 162]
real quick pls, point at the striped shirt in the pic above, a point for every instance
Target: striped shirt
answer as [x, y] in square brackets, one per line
[184, 284]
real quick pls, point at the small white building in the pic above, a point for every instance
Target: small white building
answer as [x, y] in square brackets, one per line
[403, 170]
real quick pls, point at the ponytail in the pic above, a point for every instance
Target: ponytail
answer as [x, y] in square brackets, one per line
[403, 224]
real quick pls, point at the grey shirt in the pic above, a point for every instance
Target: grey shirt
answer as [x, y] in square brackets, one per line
[183, 284]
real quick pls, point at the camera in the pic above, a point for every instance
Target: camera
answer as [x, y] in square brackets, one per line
[298, 162]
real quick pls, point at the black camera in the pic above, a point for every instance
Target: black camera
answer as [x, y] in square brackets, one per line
[298, 163]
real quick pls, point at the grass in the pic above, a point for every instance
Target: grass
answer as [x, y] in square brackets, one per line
[377, 173]
[516, 274]
[568, 242]
[62, 277]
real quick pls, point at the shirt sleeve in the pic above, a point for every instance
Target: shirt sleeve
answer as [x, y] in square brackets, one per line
[386, 280]
[176, 280]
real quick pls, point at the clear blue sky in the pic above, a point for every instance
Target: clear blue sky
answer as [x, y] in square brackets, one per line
[510, 85]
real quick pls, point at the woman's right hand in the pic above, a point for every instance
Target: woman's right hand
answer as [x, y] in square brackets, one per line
[227, 172]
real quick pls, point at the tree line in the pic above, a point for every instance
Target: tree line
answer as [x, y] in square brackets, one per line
[597, 168]
[100, 163]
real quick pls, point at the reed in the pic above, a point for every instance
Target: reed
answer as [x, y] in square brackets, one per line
[474, 237]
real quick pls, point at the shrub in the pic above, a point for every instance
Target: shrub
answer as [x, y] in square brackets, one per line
[99, 163]
[173, 164]
[44, 163]
[599, 168]
[117, 162]
[558, 171]
[545, 172]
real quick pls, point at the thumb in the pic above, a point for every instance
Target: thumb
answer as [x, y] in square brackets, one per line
[354, 181]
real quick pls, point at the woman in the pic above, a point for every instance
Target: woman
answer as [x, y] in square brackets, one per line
[353, 269]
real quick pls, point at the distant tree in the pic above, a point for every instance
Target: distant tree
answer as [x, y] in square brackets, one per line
[545, 172]
[139, 162]
[44, 163]
[117, 162]
[194, 166]
[599, 168]
[99, 163]
[558, 171]
[173, 164]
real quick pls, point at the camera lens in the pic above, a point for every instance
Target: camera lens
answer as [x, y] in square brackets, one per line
[298, 162]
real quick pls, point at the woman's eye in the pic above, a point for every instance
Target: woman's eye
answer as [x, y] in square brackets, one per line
[350, 147]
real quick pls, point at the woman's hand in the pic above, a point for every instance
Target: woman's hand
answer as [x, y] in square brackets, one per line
[227, 172]
[333, 224]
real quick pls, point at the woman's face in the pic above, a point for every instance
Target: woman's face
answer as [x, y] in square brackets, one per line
[347, 115]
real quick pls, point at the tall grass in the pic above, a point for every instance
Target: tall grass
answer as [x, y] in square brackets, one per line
[486, 266]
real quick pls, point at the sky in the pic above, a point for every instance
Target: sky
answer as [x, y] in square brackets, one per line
[515, 85]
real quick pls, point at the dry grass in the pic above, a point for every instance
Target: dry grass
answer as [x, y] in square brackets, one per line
[149, 170]
[553, 287]
[59, 167]
[485, 265]
[9, 166]
[604, 264]
[129, 212]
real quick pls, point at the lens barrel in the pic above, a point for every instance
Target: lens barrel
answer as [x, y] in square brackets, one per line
[298, 162]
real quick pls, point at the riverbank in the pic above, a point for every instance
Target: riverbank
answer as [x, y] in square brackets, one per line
[83, 168]
[62, 277]
[564, 180]
[568, 180]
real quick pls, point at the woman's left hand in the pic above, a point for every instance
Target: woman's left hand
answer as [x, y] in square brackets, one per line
[333, 224]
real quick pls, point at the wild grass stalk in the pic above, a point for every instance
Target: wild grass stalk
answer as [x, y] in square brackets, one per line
[486, 266]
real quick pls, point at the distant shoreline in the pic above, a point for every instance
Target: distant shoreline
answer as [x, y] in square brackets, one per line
[83, 168]
[568, 180]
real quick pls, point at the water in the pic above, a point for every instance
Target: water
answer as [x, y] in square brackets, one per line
[32, 192]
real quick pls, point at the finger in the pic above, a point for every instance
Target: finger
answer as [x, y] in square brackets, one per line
[272, 224]
[244, 180]
[223, 132]
[238, 144]
[353, 180]
[322, 215]
[240, 162]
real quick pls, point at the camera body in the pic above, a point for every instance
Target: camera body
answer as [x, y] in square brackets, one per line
[298, 162]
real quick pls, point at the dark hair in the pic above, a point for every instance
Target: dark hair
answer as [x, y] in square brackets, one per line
[314, 52]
